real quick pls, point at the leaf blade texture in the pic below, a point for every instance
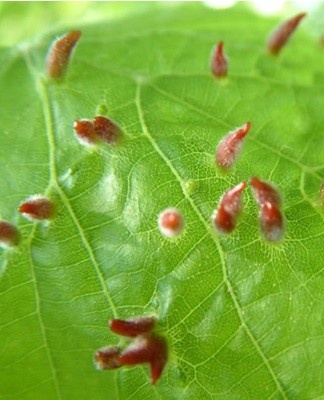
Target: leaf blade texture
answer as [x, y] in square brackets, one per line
[243, 319]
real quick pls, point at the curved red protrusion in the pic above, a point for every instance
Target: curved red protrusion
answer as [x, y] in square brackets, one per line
[230, 146]
[37, 208]
[60, 53]
[282, 33]
[132, 327]
[151, 349]
[219, 63]
[230, 206]
[271, 222]
[264, 191]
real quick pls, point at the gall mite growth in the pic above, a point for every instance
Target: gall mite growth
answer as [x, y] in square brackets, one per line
[99, 129]
[145, 348]
[37, 207]
[269, 201]
[219, 64]
[108, 358]
[230, 146]
[150, 349]
[263, 192]
[132, 327]
[271, 222]
[107, 130]
[282, 33]
[59, 54]
[85, 131]
[225, 216]
[170, 222]
[9, 234]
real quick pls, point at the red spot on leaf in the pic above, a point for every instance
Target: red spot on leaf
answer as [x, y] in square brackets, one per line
[219, 64]
[171, 222]
[60, 53]
[133, 326]
[230, 146]
[9, 234]
[282, 33]
[37, 208]
[225, 217]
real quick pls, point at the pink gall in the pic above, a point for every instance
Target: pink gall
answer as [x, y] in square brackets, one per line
[219, 63]
[225, 216]
[229, 148]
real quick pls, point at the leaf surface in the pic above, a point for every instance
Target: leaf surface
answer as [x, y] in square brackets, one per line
[243, 318]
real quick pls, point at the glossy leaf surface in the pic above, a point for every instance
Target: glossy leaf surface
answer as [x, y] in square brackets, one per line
[243, 318]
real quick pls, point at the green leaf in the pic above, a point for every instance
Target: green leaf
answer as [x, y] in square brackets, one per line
[243, 318]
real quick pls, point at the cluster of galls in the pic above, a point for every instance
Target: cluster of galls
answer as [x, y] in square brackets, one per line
[147, 347]
[225, 217]
[271, 220]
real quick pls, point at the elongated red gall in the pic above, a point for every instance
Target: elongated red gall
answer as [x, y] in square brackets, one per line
[59, 54]
[132, 327]
[37, 207]
[108, 358]
[9, 234]
[230, 146]
[225, 216]
[271, 222]
[171, 222]
[151, 349]
[264, 191]
[106, 129]
[282, 33]
[85, 131]
[219, 63]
